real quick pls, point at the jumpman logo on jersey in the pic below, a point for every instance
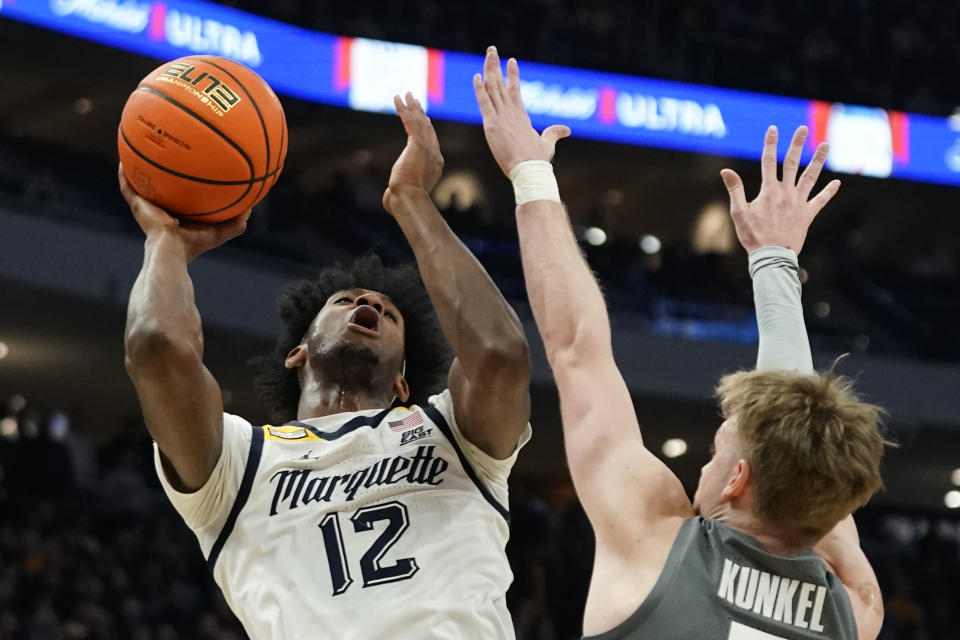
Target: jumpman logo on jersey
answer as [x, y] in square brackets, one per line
[307, 456]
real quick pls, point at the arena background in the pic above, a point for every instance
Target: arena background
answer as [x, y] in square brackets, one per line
[89, 548]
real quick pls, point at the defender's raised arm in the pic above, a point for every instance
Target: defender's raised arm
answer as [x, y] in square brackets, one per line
[605, 451]
[644, 524]
[772, 229]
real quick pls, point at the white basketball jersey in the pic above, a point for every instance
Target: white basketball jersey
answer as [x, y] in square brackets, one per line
[370, 524]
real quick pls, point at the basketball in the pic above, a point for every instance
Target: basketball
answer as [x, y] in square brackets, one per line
[203, 138]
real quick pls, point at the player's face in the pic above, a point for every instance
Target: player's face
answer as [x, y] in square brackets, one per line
[360, 321]
[715, 475]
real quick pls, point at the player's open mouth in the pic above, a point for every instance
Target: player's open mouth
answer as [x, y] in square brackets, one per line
[366, 320]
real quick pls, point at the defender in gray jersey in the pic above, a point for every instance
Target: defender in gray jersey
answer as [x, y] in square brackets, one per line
[768, 548]
[357, 516]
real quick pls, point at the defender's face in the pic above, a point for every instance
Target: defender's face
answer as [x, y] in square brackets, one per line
[715, 475]
[361, 320]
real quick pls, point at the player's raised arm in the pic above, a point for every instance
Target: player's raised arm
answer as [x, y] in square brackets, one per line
[490, 377]
[772, 229]
[181, 401]
[624, 488]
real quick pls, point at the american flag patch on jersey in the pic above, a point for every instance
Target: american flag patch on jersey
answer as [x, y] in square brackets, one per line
[413, 420]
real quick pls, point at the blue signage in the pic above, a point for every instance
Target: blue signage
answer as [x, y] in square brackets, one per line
[365, 74]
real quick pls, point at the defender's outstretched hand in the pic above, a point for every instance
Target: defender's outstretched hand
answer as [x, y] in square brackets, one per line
[782, 212]
[421, 163]
[506, 124]
[197, 238]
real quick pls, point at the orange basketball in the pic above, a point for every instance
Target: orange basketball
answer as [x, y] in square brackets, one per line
[202, 137]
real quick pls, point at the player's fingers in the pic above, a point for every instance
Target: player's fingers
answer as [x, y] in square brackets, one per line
[513, 81]
[487, 108]
[216, 233]
[826, 194]
[417, 111]
[414, 111]
[413, 103]
[406, 115]
[128, 193]
[768, 161]
[142, 210]
[403, 110]
[493, 77]
[553, 133]
[428, 132]
[791, 163]
[415, 120]
[734, 185]
[235, 227]
[812, 172]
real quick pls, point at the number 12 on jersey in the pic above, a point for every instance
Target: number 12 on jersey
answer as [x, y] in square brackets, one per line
[395, 513]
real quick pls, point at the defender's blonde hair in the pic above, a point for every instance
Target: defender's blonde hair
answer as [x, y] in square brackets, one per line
[813, 446]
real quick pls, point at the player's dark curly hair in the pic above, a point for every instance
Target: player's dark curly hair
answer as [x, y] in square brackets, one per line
[428, 356]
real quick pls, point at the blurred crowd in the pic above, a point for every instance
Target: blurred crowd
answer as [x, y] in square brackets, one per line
[90, 549]
[891, 53]
[901, 304]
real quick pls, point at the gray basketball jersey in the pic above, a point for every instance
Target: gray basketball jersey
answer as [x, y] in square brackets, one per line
[719, 584]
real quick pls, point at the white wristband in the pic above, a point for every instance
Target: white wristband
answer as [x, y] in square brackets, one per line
[534, 180]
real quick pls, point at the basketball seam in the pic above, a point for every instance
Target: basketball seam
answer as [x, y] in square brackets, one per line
[186, 177]
[283, 141]
[224, 183]
[256, 107]
[209, 125]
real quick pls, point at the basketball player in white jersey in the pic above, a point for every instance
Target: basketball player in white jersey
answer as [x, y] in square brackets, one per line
[356, 515]
[768, 548]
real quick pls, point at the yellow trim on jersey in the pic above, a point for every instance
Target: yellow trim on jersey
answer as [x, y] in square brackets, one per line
[289, 433]
[409, 408]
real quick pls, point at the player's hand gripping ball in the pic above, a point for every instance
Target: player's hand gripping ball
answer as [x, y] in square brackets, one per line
[203, 138]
